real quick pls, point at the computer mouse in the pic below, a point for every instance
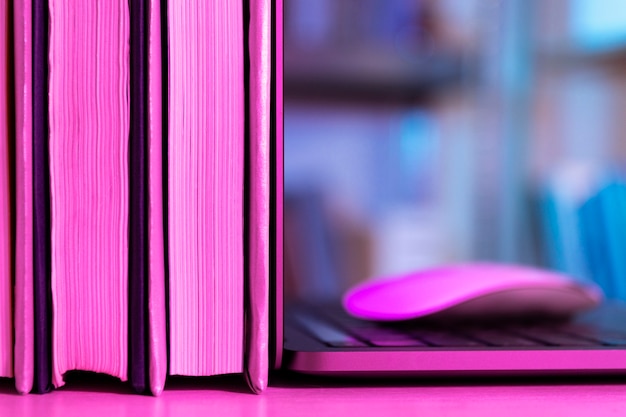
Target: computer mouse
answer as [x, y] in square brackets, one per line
[472, 291]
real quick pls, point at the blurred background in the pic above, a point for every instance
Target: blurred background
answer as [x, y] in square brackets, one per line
[428, 132]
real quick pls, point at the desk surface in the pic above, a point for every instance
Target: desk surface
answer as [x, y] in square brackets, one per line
[318, 397]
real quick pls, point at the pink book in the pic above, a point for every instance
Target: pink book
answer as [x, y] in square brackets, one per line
[206, 146]
[6, 304]
[219, 209]
[88, 151]
[23, 296]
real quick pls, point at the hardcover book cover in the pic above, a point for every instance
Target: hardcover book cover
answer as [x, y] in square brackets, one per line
[23, 291]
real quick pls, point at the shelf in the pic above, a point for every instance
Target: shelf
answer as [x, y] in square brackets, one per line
[371, 75]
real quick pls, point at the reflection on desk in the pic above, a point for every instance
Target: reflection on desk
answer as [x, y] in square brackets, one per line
[302, 396]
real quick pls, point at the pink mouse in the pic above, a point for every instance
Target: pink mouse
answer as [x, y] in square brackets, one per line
[472, 291]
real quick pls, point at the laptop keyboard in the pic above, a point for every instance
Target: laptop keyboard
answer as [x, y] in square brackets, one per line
[339, 330]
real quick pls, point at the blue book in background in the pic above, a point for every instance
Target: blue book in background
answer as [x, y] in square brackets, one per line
[612, 202]
[592, 225]
[562, 238]
[562, 234]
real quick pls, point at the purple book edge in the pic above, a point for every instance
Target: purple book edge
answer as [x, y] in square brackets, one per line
[41, 209]
[257, 314]
[277, 211]
[24, 333]
[137, 222]
[157, 338]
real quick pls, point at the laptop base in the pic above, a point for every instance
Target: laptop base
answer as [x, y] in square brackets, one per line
[326, 341]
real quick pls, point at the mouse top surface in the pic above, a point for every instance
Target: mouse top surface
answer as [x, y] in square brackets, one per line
[471, 291]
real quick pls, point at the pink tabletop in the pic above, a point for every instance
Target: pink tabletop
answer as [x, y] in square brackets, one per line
[323, 397]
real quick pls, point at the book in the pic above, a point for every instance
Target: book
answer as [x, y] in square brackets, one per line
[611, 201]
[564, 207]
[6, 284]
[220, 100]
[205, 190]
[593, 227]
[89, 185]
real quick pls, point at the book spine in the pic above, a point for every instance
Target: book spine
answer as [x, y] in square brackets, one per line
[611, 200]
[257, 314]
[41, 209]
[278, 167]
[592, 229]
[157, 346]
[6, 284]
[619, 235]
[137, 222]
[24, 356]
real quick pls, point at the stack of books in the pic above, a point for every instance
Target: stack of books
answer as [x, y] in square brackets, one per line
[135, 156]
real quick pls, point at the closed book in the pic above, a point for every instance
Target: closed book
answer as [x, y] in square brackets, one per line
[205, 190]
[221, 87]
[89, 117]
[593, 227]
[612, 203]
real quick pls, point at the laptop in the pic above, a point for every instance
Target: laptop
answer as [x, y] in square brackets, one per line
[320, 338]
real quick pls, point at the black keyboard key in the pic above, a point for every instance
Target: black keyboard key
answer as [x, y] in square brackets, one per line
[327, 333]
[382, 337]
[602, 336]
[446, 339]
[498, 338]
[346, 343]
[398, 343]
[552, 338]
